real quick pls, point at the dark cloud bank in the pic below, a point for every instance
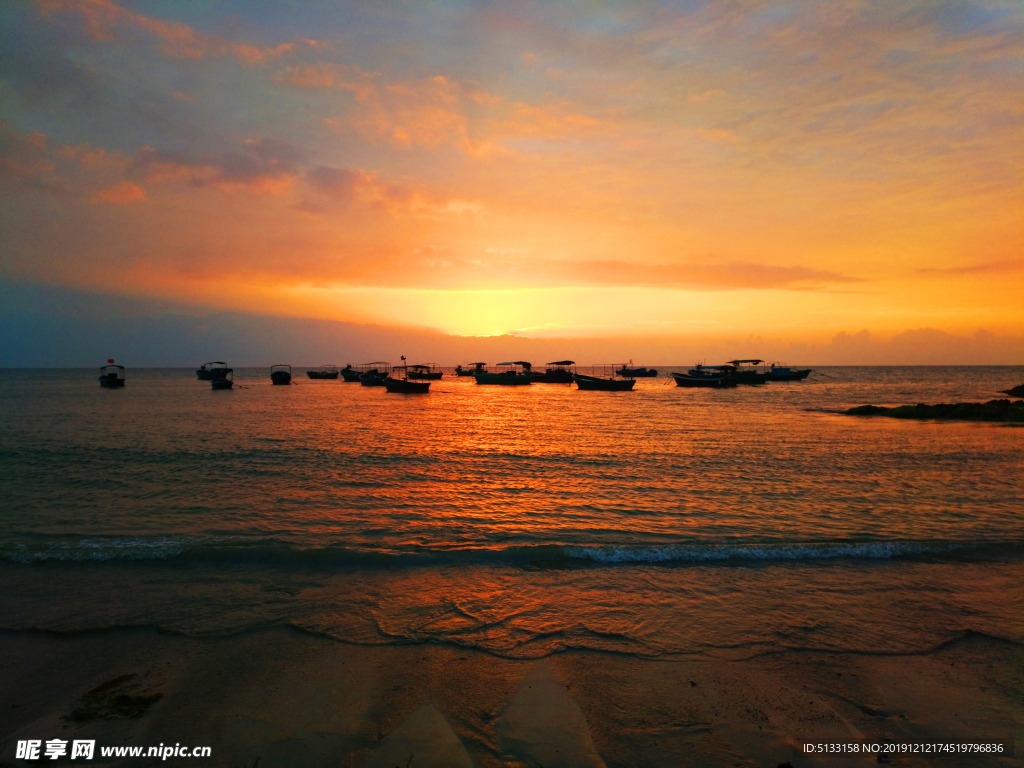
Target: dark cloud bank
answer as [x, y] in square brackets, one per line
[48, 327]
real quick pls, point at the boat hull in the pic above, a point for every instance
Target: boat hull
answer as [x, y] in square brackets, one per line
[371, 380]
[432, 376]
[752, 378]
[109, 383]
[504, 379]
[553, 377]
[406, 387]
[280, 378]
[595, 383]
[322, 375]
[637, 373]
[350, 376]
[789, 375]
[221, 384]
[706, 382]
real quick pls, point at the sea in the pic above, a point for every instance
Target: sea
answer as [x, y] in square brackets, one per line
[518, 521]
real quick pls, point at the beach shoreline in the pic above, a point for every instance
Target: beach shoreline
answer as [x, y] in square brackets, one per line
[290, 698]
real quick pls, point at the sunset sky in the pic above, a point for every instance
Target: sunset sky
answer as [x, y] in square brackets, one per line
[552, 169]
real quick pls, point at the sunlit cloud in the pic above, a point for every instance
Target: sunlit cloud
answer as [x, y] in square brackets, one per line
[990, 268]
[830, 165]
[124, 192]
[107, 21]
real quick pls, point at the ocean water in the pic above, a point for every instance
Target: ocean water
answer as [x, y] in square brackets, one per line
[521, 521]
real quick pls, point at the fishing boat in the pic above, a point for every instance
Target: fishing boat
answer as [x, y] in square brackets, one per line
[515, 373]
[112, 376]
[227, 381]
[349, 374]
[782, 372]
[281, 374]
[373, 374]
[559, 372]
[215, 370]
[710, 376]
[403, 383]
[325, 372]
[747, 373]
[477, 368]
[602, 378]
[627, 371]
[421, 372]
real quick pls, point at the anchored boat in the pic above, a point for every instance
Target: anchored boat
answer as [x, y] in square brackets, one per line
[429, 372]
[215, 370]
[112, 376]
[515, 373]
[349, 374]
[709, 376]
[782, 372]
[373, 374]
[747, 373]
[281, 374]
[477, 368]
[227, 381]
[605, 382]
[627, 371]
[325, 372]
[403, 383]
[559, 372]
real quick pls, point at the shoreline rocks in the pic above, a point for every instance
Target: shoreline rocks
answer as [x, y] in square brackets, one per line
[1007, 411]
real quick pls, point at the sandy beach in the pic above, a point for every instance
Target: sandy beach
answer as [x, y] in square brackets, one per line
[285, 698]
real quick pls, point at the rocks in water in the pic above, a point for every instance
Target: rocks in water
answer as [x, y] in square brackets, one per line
[1017, 391]
[993, 410]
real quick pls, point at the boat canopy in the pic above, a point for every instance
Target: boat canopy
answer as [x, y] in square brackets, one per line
[118, 367]
[741, 362]
[422, 367]
[563, 362]
[523, 363]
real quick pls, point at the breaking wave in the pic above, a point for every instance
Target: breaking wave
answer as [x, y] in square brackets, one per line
[211, 550]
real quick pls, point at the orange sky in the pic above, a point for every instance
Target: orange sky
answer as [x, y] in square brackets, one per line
[596, 170]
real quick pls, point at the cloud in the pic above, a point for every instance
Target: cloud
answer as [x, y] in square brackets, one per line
[717, 135]
[705, 276]
[347, 185]
[35, 61]
[700, 98]
[106, 21]
[990, 268]
[125, 192]
[338, 183]
[440, 110]
[260, 165]
[438, 266]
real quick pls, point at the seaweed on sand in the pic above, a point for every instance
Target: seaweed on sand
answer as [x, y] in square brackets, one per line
[114, 699]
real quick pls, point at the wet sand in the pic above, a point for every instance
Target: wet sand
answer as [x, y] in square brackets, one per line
[293, 699]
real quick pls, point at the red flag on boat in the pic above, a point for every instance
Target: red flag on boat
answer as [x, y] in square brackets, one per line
[110, 360]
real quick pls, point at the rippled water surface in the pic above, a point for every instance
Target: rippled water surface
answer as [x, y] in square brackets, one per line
[521, 520]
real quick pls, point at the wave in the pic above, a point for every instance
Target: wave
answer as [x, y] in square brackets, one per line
[272, 551]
